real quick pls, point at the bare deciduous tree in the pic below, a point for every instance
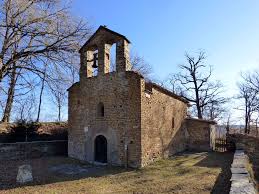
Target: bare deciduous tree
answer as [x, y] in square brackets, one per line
[10, 96]
[214, 111]
[139, 64]
[25, 108]
[34, 29]
[59, 97]
[32, 32]
[249, 93]
[251, 79]
[196, 86]
[42, 87]
[19, 84]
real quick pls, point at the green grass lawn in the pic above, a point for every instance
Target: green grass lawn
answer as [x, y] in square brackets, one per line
[186, 173]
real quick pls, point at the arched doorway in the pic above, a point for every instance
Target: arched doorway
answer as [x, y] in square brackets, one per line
[100, 152]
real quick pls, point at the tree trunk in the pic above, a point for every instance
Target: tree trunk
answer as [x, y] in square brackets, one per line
[256, 127]
[21, 113]
[9, 101]
[40, 98]
[1, 76]
[247, 116]
[199, 111]
[59, 113]
[1, 70]
[199, 114]
[248, 124]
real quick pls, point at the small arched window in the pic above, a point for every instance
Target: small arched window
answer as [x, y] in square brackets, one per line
[100, 110]
[173, 123]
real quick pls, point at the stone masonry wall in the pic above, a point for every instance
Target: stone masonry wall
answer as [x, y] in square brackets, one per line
[152, 124]
[199, 134]
[162, 132]
[24, 150]
[250, 145]
[119, 92]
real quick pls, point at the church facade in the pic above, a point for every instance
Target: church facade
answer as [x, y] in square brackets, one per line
[117, 117]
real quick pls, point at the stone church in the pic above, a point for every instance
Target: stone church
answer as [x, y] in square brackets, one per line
[118, 118]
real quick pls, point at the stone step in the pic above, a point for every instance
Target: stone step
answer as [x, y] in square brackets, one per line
[238, 165]
[239, 177]
[239, 171]
[245, 188]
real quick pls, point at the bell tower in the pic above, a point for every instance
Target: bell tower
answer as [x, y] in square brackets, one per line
[95, 53]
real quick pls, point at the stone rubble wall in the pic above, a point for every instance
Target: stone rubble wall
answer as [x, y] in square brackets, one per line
[199, 134]
[241, 181]
[25, 150]
[162, 130]
[120, 124]
[250, 145]
[165, 128]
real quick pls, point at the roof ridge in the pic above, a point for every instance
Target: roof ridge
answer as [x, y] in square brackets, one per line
[107, 29]
[169, 92]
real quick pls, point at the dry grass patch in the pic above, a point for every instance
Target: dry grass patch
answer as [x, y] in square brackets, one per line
[187, 173]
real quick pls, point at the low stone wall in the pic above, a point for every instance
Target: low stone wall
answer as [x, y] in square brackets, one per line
[241, 181]
[250, 145]
[199, 134]
[24, 150]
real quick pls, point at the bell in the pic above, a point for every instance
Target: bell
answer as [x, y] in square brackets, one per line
[94, 64]
[95, 61]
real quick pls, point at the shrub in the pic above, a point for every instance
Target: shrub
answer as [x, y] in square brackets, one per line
[24, 131]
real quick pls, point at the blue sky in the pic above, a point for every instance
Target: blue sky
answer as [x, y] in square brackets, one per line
[162, 31]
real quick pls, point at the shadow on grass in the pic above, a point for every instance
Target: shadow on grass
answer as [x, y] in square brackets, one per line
[222, 160]
[42, 173]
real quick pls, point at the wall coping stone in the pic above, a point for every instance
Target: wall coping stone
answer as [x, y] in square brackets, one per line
[30, 142]
[239, 170]
[240, 180]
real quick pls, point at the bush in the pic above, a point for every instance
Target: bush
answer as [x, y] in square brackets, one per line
[24, 131]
